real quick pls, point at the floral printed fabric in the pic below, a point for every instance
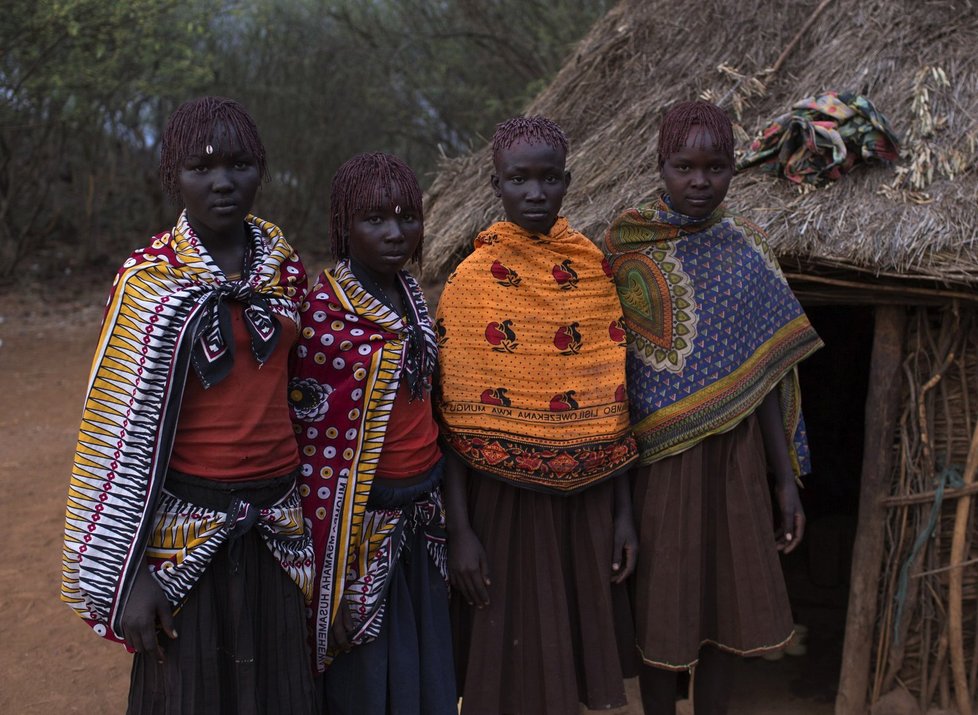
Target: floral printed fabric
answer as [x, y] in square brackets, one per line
[532, 360]
[822, 138]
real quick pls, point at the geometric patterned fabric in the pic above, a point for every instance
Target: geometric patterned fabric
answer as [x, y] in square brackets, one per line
[822, 138]
[153, 318]
[712, 327]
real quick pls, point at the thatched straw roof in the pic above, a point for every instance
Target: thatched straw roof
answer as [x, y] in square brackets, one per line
[918, 219]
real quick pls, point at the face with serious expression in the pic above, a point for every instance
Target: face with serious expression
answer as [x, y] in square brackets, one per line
[698, 175]
[531, 179]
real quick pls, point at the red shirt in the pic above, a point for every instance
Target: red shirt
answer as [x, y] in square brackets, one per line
[411, 442]
[240, 428]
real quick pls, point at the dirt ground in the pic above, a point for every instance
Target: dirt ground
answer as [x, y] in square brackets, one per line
[49, 659]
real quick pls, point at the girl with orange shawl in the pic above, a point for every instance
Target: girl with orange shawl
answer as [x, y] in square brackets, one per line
[533, 409]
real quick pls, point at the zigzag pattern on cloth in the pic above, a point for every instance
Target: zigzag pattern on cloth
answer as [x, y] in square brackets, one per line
[133, 399]
[184, 539]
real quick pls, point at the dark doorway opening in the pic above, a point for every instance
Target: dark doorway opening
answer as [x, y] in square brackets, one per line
[834, 385]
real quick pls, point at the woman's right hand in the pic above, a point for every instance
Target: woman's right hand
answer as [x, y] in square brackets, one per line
[468, 568]
[147, 606]
[341, 630]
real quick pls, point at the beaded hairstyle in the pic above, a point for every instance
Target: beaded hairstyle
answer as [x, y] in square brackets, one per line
[363, 183]
[528, 129]
[191, 127]
[679, 120]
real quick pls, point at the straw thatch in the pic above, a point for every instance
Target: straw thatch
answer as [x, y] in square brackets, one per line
[915, 60]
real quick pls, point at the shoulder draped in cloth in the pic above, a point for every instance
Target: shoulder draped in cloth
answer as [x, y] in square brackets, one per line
[532, 360]
[352, 355]
[165, 313]
[712, 328]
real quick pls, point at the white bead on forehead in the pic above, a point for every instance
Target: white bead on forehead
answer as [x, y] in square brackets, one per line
[209, 150]
[397, 209]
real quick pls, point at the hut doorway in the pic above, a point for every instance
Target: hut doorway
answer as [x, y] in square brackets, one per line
[834, 384]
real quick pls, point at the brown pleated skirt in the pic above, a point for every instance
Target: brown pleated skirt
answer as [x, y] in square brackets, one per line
[549, 638]
[708, 570]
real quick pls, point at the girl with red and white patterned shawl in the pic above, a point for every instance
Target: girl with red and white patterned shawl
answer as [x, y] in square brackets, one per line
[371, 465]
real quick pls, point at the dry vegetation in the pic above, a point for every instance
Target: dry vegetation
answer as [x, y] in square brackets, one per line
[914, 60]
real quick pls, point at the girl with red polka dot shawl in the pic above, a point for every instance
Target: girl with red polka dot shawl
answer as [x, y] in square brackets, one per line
[371, 465]
[714, 337]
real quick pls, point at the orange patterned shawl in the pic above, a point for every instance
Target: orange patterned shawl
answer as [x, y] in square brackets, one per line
[532, 360]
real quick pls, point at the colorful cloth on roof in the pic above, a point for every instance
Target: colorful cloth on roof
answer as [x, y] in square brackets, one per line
[712, 328]
[532, 363]
[822, 138]
[156, 322]
[352, 355]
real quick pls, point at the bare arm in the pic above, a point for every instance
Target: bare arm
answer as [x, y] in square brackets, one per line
[792, 513]
[626, 542]
[146, 607]
[468, 568]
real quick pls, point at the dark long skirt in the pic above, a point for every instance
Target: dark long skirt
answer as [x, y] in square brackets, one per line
[242, 646]
[708, 570]
[547, 641]
[407, 669]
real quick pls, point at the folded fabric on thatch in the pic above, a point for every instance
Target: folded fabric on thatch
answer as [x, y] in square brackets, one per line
[821, 138]
[712, 328]
[532, 360]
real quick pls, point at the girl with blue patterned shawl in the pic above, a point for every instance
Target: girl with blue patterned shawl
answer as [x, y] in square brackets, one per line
[184, 536]
[714, 337]
[371, 465]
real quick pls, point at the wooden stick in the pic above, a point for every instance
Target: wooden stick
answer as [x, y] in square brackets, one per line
[797, 38]
[962, 522]
[944, 569]
[902, 291]
[882, 412]
[924, 497]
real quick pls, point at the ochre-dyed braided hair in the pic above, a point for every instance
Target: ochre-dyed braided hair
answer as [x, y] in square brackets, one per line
[191, 128]
[680, 119]
[363, 183]
[528, 129]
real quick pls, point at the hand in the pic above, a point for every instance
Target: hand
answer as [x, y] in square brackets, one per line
[468, 568]
[147, 606]
[625, 552]
[792, 529]
[341, 630]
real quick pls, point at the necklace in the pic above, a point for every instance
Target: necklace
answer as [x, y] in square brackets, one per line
[372, 286]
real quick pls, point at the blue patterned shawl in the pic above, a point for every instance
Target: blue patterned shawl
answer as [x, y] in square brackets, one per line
[712, 328]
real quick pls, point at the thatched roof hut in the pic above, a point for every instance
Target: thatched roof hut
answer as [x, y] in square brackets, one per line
[917, 222]
[886, 259]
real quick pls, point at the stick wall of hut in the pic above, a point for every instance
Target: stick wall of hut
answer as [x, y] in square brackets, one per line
[882, 412]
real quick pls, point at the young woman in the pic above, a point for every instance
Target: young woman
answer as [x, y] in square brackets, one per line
[184, 535]
[371, 464]
[533, 409]
[714, 335]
